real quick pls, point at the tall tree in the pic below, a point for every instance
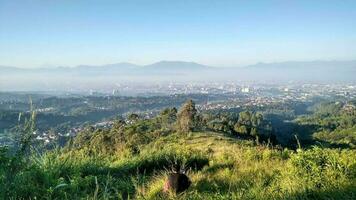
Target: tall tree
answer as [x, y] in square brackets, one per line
[186, 119]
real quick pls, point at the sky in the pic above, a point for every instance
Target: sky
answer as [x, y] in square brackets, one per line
[48, 33]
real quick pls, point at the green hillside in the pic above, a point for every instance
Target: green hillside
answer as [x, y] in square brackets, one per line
[132, 159]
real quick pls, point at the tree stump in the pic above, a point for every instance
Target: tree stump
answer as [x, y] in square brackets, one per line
[176, 182]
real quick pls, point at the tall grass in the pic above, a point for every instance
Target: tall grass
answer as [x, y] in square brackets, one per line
[219, 167]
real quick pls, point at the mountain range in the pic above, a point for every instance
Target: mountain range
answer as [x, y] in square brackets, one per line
[179, 71]
[166, 66]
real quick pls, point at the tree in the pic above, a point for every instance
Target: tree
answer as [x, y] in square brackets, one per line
[186, 119]
[168, 116]
[245, 118]
[253, 124]
[241, 129]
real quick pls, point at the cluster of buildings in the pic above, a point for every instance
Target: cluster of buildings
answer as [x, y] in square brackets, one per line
[227, 88]
[48, 136]
[266, 95]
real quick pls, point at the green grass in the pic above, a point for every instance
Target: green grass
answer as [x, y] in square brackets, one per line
[220, 167]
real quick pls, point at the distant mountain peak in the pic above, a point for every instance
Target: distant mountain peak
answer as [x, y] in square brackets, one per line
[175, 65]
[175, 62]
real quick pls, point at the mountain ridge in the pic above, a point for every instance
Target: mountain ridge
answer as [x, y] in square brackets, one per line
[174, 64]
[158, 64]
[179, 71]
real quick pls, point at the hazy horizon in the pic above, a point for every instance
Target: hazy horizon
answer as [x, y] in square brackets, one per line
[173, 61]
[51, 44]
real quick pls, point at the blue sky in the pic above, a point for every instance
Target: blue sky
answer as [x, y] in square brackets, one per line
[220, 33]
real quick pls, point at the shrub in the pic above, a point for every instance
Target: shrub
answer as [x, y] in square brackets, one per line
[320, 168]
